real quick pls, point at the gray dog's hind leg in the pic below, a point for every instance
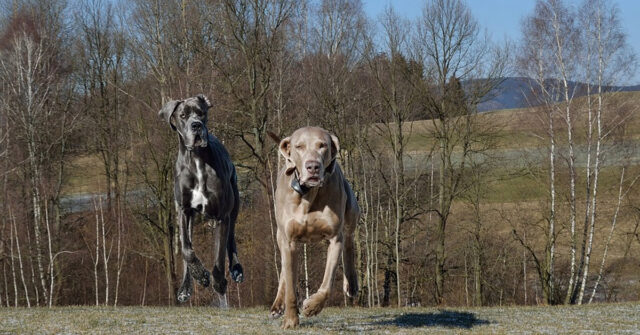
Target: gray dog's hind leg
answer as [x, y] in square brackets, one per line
[219, 257]
[235, 269]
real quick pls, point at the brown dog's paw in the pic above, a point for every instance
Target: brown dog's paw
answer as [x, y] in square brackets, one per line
[314, 304]
[290, 322]
[276, 310]
[350, 290]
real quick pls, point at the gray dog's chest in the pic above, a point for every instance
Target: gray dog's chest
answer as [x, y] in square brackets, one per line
[201, 189]
[199, 199]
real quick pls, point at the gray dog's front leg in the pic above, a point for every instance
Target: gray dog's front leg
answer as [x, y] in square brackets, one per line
[192, 265]
[186, 289]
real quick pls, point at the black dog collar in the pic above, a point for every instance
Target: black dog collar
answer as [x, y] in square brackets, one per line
[296, 186]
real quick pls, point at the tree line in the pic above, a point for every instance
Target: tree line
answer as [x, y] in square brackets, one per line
[81, 83]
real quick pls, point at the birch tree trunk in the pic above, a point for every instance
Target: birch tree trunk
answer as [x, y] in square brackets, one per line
[120, 253]
[32, 268]
[51, 258]
[24, 282]
[13, 267]
[105, 257]
[561, 34]
[96, 260]
[613, 227]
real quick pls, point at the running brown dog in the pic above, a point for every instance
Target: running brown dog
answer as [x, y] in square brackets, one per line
[313, 202]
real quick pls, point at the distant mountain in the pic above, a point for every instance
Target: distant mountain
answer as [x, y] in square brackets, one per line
[515, 92]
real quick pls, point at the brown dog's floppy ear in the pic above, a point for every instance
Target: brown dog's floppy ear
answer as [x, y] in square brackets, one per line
[335, 150]
[285, 151]
[203, 99]
[167, 111]
[273, 136]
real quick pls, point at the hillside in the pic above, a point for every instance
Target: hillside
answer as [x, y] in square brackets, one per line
[515, 92]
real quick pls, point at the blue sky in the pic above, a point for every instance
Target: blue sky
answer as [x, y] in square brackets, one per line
[502, 18]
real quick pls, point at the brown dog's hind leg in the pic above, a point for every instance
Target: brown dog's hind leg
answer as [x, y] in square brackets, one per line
[350, 280]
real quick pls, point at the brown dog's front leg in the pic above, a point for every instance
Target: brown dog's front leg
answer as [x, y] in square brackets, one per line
[290, 270]
[315, 303]
[277, 308]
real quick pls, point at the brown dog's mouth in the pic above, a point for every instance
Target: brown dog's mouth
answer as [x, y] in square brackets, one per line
[313, 181]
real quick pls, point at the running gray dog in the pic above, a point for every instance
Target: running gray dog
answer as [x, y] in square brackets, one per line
[206, 183]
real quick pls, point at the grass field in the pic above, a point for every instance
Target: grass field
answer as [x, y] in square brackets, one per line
[601, 318]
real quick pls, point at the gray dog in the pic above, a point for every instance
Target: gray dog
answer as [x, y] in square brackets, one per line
[206, 183]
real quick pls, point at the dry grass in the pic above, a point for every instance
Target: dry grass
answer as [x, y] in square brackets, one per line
[601, 318]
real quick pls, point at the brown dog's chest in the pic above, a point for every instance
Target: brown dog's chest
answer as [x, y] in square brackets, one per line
[313, 227]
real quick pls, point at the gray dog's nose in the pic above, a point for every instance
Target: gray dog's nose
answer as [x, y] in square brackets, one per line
[196, 126]
[312, 167]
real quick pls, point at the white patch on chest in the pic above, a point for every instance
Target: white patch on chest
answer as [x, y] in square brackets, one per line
[197, 194]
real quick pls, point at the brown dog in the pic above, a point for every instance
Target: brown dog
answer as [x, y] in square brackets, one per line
[313, 202]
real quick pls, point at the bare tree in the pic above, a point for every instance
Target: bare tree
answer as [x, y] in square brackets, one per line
[151, 38]
[612, 62]
[397, 104]
[454, 56]
[27, 107]
[553, 39]
[252, 39]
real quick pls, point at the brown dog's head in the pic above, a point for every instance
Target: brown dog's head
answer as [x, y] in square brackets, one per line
[189, 118]
[312, 152]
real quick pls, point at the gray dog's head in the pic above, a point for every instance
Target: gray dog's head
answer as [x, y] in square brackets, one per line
[189, 118]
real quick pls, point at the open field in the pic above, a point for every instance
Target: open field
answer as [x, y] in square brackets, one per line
[601, 318]
[515, 143]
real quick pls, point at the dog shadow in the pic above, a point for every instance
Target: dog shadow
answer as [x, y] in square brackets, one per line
[443, 318]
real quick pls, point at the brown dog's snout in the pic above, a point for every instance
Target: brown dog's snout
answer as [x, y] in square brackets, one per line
[313, 167]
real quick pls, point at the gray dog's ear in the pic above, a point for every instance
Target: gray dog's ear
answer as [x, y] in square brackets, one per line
[285, 151]
[335, 150]
[203, 99]
[167, 111]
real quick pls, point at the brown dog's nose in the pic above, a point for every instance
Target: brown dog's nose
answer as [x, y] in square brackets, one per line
[312, 167]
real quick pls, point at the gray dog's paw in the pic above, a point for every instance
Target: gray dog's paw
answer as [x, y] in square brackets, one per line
[199, 273]
[206, 278]
[236, 273]
[184, 294]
